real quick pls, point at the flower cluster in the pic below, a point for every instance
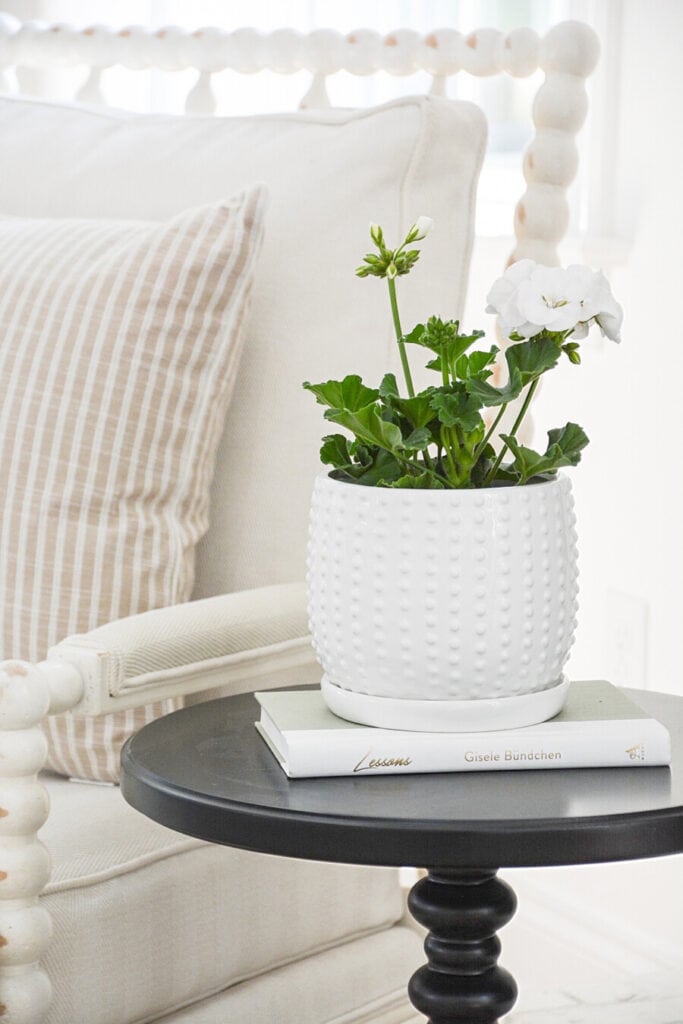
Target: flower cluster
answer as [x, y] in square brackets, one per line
[391, 263]
[444, 436]
[530, 298]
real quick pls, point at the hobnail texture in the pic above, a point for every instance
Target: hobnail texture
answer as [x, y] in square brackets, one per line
[442, 595]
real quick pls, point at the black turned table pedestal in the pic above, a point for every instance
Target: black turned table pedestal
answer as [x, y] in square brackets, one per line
[204, 771]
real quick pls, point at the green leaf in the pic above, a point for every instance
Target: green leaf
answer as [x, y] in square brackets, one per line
[570, 439]
[423, 481]
[565, 445]
[335, 451]
[349, 393]
[506, 473]
[368, 425]
[418, 410]
[380, 470]
[418, 440]
[481, 467]
[488, 395]
[532, 358]
[388, 388]
[526, 462]
[475, 365]
[415, 336]
[363, 453]
[457, 408]
[526, 362]
[434, 364]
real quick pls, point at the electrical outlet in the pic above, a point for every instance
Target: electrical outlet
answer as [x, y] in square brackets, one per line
[625, 639]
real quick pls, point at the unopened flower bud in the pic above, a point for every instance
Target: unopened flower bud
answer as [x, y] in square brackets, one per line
[420, 229]
[391, 271]
[376, 234]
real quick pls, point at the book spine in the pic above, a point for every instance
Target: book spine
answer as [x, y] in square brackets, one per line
[619, 744]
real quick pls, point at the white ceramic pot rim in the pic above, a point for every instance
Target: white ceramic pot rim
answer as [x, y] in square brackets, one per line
[426, 495]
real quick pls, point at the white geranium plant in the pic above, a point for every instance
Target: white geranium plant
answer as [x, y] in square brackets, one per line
[438, 438]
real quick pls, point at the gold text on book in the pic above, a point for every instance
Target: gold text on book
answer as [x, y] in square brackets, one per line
[366, 762]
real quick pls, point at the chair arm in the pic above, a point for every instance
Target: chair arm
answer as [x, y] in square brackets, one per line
[247, 640]
[239, 641]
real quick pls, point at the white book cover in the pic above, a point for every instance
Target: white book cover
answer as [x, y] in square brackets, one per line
[599, 727]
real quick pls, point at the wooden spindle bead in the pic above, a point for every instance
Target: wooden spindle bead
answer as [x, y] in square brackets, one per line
[363, 51]
[284, 51]
[323, 51]
[551, 158]
[22, 752]
[24, 807]
[481, 52]
[561, 103]
[440, 52]
[542, 213]
[400, 52]
[519, 52]
[24, 867]
[25, 934]
[25, 995]
[24, 695]
[571, 47]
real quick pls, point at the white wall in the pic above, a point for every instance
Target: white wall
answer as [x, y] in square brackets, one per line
[629, 487]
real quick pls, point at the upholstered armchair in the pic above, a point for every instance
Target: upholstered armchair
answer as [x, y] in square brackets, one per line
[105, 917]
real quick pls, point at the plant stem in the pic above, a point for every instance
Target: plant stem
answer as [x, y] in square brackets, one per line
[515, 427]
[399, 337]
[421, 469]
[454, 477]
[480, 447]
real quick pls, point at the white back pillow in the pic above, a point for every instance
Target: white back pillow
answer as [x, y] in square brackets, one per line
[329, 173]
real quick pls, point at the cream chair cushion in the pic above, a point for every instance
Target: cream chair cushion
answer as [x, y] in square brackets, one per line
[329, 173]
[358, 982]
[148, 921]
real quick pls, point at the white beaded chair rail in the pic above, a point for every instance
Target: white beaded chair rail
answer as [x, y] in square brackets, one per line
[570, 47]
[567, 54]
[27, 694]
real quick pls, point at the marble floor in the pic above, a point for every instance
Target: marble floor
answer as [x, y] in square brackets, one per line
[596, 944]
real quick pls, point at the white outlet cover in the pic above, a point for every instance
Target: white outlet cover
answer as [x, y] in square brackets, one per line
[626, 639]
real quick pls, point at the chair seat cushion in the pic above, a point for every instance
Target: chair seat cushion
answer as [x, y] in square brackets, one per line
[148, 921]
[337, 986]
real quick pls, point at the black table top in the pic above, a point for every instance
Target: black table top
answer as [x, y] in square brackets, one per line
[206, 772]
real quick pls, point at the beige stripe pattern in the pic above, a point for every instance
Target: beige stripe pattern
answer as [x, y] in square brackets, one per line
[119, 344]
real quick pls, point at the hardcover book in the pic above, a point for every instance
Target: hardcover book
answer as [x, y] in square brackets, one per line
[599, 727]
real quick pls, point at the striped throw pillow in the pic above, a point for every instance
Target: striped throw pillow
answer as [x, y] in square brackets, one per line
[119, 342]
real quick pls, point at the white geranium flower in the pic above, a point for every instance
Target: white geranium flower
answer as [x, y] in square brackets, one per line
[610, 323]
[552, 298]
[501, 299]
[602, 308]
[531, 298]
[505, 287]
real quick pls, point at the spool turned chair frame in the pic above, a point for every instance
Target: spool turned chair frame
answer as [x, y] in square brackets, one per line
[87, 681]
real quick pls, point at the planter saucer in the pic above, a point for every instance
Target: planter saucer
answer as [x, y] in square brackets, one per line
[486, 715]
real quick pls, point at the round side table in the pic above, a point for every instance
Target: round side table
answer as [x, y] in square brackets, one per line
[205, 771]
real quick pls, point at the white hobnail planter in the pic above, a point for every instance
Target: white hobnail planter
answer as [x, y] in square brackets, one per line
[443, 609]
